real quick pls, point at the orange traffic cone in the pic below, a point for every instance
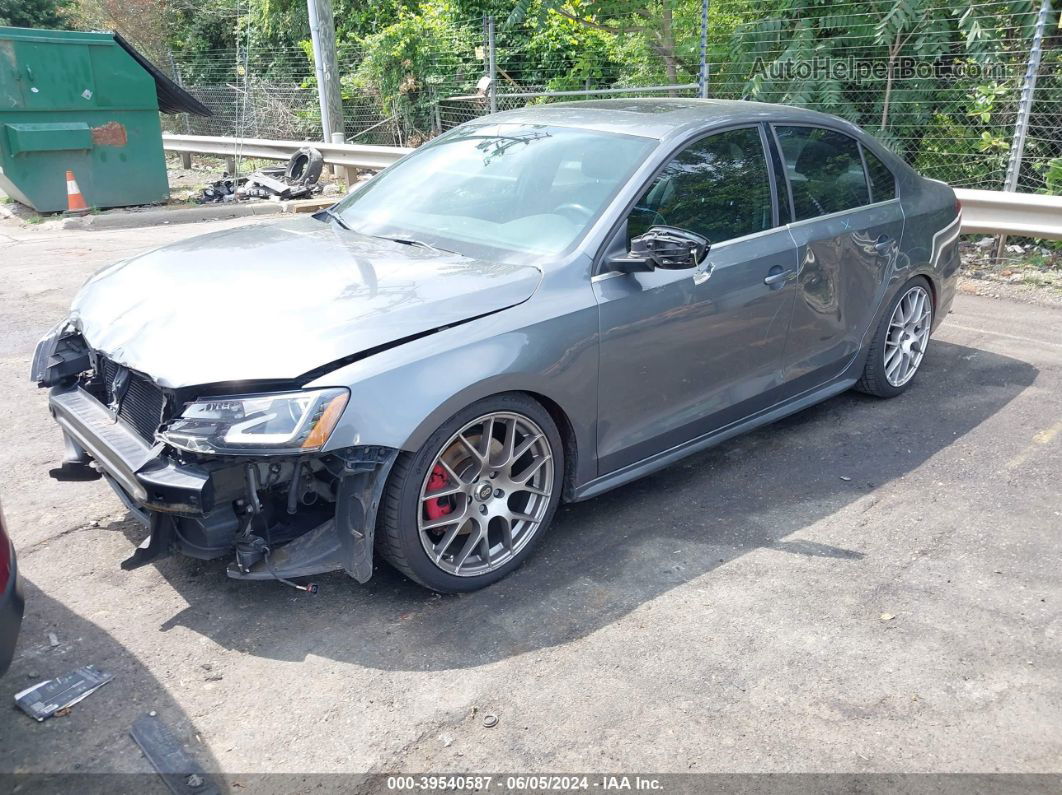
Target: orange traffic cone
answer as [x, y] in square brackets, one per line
[75, 202]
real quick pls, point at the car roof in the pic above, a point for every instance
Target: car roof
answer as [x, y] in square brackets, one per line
[660, 117]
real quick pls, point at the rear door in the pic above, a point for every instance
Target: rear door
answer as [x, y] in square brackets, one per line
[847, 240]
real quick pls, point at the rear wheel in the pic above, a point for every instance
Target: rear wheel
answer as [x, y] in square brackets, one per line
[899, 345]
[468, 507]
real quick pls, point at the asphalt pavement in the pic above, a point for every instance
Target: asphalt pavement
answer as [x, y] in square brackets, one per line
[867, 586]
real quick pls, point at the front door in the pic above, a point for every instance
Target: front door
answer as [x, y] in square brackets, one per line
[682, 356]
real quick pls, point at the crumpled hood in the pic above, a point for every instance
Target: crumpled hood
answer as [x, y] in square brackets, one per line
[275, 301]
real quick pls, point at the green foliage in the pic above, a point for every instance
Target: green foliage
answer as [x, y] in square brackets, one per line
[957, 153]
[406, 61]
[984, 99]
[1053, 176]
[35, 13]
[560, 55]
[404, 55]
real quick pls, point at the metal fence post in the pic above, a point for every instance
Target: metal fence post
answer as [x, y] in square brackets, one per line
[1025, 101]
[1028, 90]
[703, 78]
[186, 157]
[350, 175]
[493, 65]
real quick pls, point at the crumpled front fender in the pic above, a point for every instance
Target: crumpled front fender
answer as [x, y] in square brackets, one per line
[344, 541]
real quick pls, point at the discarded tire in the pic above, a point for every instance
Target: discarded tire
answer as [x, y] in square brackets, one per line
[304, 167]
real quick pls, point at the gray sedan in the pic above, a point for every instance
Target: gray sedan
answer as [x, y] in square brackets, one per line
[537, 306]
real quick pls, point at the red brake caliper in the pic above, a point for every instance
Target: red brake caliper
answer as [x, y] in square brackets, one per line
[438, 507]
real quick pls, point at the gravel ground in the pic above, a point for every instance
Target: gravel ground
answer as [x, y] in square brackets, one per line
[868, 586]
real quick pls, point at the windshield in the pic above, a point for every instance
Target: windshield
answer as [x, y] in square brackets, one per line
[498, 188]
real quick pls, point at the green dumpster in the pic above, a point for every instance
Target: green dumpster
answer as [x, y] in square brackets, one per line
[84, 102]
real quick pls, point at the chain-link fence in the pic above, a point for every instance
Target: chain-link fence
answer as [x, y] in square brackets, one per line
[942, 91]
[941, 86]
[274, 97]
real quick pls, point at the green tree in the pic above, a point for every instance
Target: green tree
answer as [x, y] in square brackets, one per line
[653, 21]
[405, 64]
[35, 13]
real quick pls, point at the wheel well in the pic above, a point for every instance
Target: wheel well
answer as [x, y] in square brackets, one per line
[567, 432]
[933, 289]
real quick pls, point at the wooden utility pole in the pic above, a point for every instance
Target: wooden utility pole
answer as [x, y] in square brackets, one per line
[323, 35]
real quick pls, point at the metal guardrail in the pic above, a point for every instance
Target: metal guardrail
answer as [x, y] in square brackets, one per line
[983, 211]
[349, 155]
[1025, 214]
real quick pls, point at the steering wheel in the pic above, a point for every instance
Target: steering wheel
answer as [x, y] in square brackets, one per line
[579, 211]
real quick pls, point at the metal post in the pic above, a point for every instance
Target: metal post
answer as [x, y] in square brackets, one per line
[1021, 125]
[493, 67]
[326, 68]
[703, 78]
[180, 81]
[350, 174]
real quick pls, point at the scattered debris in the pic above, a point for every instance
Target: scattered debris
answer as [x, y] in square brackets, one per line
[887, 616]
[1033, 263]
[447, 740]
[43, 700]
[179, 771]
[53, 639]
[297, 180]
[845, 478]
[490, 720]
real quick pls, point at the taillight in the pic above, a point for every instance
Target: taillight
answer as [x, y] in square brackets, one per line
[5, 555]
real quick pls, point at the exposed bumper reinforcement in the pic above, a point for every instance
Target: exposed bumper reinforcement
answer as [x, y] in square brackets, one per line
[150, 480]
[151, 484]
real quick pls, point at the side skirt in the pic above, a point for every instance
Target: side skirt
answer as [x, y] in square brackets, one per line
[665, 458]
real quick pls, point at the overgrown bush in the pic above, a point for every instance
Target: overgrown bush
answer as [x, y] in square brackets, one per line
[407, 63]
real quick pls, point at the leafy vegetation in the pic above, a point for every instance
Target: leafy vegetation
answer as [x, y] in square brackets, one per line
[937, 80]
[35, 13]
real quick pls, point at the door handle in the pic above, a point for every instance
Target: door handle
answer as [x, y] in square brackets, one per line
[884, 244]
[777, 276]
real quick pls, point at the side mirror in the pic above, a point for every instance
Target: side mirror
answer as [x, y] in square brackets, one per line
[666, 247]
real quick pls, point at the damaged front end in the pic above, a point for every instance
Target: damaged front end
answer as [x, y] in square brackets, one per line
[214, 475]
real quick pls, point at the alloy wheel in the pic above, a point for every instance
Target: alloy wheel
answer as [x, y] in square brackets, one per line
[486, 493]
[908, 335]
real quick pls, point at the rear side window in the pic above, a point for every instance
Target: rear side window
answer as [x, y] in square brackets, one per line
[825, 171]
[882, 182]
[718, 187]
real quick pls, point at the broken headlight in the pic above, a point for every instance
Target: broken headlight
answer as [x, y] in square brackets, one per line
[285, 422]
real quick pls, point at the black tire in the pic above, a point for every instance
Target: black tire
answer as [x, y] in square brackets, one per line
[874, 380]
[398, 538]
[304, 167]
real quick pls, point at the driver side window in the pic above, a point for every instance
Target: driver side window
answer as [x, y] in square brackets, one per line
[717, 187]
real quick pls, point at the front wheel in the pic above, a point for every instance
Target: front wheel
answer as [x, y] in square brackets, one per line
[467, 508]
[899, 345]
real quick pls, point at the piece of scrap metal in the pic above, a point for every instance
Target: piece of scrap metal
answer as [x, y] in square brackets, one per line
[43, 700]
[180, 772]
